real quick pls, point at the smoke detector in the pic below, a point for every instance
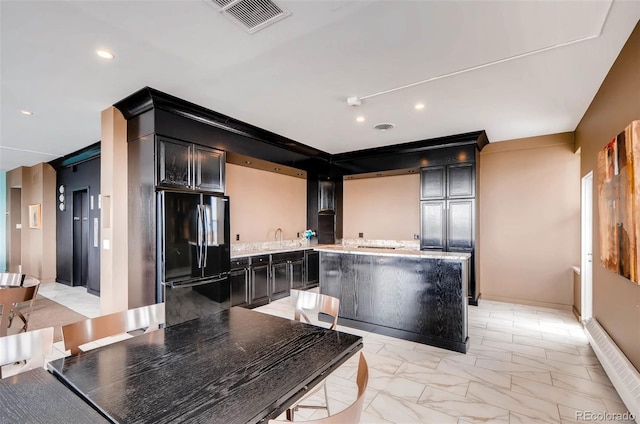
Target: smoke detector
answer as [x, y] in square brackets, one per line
[252, 15]
[384, 127]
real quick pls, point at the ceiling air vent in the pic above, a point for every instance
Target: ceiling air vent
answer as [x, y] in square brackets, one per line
[252, 15]
[384, 127]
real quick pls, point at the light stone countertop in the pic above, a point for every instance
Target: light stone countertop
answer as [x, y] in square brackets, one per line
[393, 252]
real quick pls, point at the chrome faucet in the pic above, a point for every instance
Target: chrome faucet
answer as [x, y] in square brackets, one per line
[279, 230]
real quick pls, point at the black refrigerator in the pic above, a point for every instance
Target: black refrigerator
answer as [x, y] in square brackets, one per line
[193, 254]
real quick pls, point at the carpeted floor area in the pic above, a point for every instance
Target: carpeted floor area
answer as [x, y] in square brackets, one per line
[47, 313]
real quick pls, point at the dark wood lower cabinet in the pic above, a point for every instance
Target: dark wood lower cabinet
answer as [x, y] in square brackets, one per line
[259, 293]
[257, 280]
[239, 280]
[296, 269]
[280, 280]
[414, 298]
[312, 268]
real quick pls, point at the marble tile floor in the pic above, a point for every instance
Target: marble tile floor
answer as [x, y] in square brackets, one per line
[525, 365]
[75, 298]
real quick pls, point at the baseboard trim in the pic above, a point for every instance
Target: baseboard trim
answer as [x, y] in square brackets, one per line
[623, 375]
[527, 302]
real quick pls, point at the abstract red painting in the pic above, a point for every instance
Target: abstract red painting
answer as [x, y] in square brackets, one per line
[619, 202]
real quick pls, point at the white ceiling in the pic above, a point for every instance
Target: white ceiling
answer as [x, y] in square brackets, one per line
[544, 63]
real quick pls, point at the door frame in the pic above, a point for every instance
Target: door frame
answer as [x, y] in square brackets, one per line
[586, 247]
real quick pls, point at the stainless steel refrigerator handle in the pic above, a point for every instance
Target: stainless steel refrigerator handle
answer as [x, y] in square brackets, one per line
[205, 243]
[194, 284]
[199, 236]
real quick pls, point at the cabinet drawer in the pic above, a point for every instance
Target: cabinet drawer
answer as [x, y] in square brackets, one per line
[239, 263]
[261, 259]
[287, 256]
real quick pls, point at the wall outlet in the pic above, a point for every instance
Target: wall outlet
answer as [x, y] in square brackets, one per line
[298, 235]
[416, 236]
[360, 235]
[237, 237]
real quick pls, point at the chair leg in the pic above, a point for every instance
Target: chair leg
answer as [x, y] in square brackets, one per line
[290, 414]
[326, 399]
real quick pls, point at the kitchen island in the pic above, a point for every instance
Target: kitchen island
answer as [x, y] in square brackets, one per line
[413, 295]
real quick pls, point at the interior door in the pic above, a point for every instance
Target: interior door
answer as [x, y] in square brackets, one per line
[80, 238]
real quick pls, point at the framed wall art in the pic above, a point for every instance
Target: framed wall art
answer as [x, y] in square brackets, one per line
[619, 202]
[35, 216]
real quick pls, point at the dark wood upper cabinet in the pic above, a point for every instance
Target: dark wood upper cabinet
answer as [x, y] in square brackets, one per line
[191, 166]
[432, 183]
[445, 182]
[174, 163]
[209, 169]
[461, 180]
[326, 193]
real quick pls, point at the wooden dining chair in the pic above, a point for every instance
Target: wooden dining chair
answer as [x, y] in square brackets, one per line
[32, 347]
[11, 279]
[311, 301]
[147, 318]
[23, 310]
[9, 298]
[351, 414]
[306, 302]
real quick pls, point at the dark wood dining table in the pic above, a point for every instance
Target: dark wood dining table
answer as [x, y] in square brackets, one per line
[235, 366]
[36, 396]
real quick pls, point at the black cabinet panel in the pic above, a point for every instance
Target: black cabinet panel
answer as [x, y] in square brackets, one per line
[460, 225]
[239, 280]
[432, 224]
[312, 268]
[259, 292]
[432, 183]
[280, 280]
[296, 268]
[460, 180]
[209, 169]
[174, 167]
[326, 193]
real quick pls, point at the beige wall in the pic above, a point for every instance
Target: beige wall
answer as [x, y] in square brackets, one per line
[530, 220]
[115, 291]
[616, 300]
[382, 208]
[261, 202]
[33, 248]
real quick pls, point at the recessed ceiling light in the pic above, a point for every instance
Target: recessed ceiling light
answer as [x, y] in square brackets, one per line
[419, 106]
[360, 119]
[25, 112]
[105, 54]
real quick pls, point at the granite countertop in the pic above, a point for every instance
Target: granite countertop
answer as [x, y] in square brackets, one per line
[270, 251]
[393, 252]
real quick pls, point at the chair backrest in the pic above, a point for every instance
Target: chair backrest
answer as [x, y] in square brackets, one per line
[11, 279]
[9, 296]
[32, 346]
[149, 318]
[351, 414]
[311, 301]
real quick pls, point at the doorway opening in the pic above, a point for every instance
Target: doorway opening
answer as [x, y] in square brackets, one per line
[586, 262]
[80, 271]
